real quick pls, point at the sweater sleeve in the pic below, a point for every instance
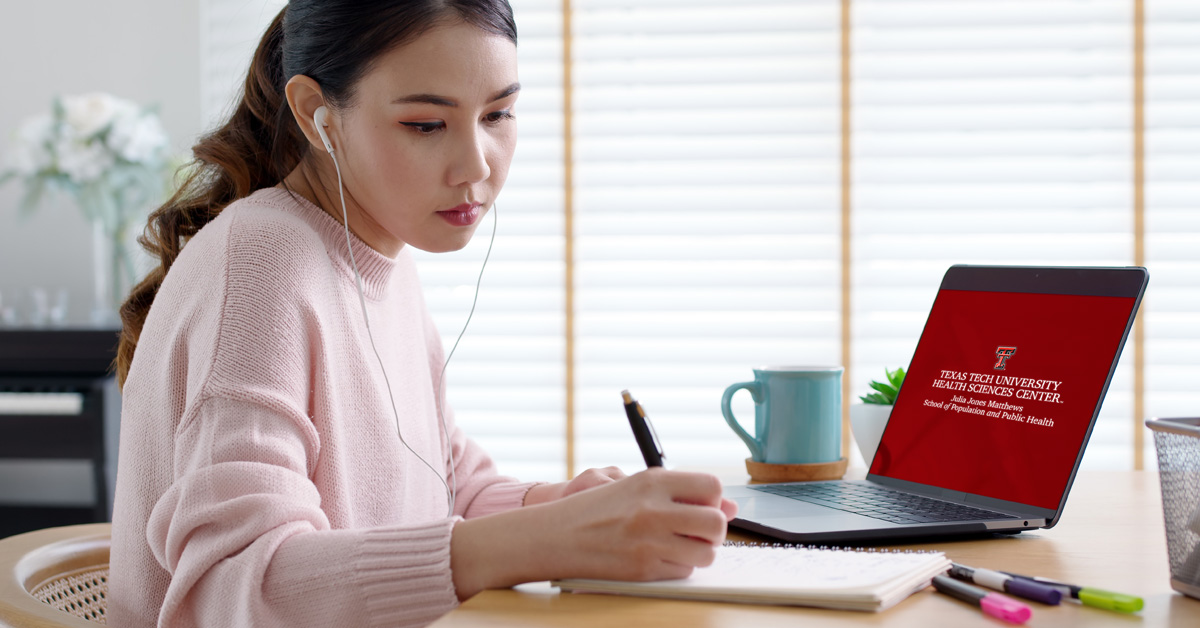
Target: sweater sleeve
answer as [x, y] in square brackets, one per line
[481, 490]
[242, 533]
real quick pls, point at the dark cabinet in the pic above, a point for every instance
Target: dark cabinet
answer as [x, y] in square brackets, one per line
[59, 405]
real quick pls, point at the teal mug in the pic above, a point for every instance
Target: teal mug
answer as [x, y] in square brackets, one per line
[797, 414]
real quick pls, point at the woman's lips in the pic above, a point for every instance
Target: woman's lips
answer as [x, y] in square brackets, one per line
[464, 215]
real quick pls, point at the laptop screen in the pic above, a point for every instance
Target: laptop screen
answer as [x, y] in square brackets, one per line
[1000, 394]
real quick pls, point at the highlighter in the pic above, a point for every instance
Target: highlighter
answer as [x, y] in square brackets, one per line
[1096, 598]
[994, 604]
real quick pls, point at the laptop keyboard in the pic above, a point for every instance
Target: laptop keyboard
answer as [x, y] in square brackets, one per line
[879, 502]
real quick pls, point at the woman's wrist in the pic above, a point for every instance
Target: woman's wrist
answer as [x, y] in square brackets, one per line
[502, 550]
[542, 493]
[589, 479]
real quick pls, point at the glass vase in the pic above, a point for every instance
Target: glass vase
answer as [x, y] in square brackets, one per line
[112, 272]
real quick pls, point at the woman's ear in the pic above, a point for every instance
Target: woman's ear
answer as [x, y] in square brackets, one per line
[304, 97]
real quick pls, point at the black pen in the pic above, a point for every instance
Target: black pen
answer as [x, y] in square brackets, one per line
[643, 431]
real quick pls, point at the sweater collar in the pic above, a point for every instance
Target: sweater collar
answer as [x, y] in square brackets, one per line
[375, 267]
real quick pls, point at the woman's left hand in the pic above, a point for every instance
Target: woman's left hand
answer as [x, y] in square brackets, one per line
[591, 478]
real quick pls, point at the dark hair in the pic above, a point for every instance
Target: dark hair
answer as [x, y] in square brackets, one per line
[334, 42]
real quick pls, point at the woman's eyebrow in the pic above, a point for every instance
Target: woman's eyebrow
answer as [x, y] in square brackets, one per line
[506, 92]
[442, 101]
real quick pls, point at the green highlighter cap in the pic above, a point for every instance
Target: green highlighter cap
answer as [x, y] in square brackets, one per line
[1110, 601]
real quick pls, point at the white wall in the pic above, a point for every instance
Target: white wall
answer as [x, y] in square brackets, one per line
[143, 50]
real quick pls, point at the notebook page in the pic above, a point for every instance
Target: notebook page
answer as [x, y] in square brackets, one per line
[784, 568]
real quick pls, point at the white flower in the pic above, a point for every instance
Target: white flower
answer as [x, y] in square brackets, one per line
[81, 160]
[138, 138]
[106, 151]
[88, 114]
[30, 149]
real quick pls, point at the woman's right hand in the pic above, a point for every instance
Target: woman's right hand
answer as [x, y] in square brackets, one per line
[653, 525]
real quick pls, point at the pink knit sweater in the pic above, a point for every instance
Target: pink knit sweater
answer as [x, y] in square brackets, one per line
[261, 481]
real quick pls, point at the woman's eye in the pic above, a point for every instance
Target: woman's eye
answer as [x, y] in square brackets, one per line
[499, 116]
[425, 128]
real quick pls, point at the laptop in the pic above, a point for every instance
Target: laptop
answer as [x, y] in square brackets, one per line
[990, 425]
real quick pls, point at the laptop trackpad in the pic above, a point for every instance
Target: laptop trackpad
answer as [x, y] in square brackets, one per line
[756, 508]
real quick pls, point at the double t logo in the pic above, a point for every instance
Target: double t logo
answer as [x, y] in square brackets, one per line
[1003, 354]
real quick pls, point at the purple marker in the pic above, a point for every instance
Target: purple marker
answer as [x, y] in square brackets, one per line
[1027, 589]
[994, 604]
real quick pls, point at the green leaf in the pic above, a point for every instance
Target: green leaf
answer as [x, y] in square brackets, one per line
[876, 398]
[896, 377]
[887, 390]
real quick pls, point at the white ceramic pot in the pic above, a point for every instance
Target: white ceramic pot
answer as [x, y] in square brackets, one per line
[867, 421]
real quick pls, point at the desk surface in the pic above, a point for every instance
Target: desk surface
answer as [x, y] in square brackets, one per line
[1110, 537]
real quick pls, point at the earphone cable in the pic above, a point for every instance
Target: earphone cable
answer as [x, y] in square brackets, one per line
[362, 301]
[442, 376]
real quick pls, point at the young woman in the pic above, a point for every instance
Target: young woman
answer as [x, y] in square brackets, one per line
[285, 456]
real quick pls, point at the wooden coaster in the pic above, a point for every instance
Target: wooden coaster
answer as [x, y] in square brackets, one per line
[765, 472]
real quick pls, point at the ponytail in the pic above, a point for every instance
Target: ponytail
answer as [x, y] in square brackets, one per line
[255, 149]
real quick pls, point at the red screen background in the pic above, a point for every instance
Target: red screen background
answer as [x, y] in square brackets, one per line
[1067, 338]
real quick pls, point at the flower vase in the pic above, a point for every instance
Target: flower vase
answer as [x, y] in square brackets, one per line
[112, 273]
[111, 156]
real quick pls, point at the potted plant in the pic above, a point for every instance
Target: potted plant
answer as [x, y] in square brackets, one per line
[867, 419]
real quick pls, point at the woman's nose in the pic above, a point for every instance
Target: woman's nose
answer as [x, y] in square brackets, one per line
[470, 163]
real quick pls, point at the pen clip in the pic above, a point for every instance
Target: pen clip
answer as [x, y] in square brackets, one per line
[653, 434]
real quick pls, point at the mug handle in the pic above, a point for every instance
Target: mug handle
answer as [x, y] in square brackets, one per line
[756, 448]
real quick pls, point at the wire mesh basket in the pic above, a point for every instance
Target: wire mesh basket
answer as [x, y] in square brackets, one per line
[1177, 442]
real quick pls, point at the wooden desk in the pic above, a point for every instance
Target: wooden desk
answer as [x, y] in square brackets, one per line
[1110, 537]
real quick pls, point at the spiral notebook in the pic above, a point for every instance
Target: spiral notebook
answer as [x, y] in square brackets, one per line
[845, 579]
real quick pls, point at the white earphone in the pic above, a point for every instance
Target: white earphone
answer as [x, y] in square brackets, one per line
[452, 486]
[319, 122]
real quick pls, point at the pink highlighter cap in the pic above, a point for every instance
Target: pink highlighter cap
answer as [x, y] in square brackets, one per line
[1005, 608]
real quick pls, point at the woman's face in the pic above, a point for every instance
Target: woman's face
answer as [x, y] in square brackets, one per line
[426, 144]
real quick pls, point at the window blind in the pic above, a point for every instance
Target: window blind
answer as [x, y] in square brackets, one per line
[987, 133]
[229, 33]
[707, 191]
[1172, 210]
